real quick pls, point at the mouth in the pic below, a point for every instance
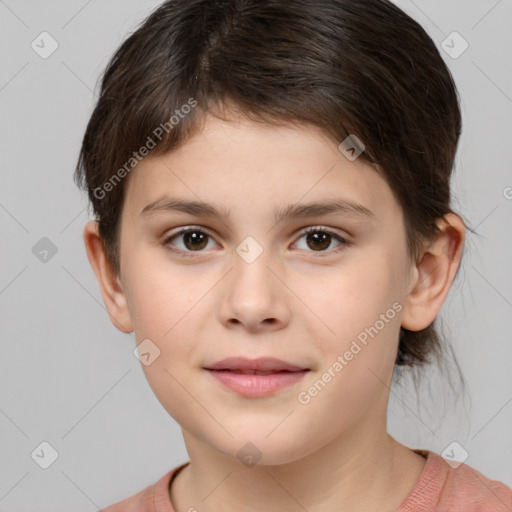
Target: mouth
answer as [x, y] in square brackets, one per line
[256, 372]
[255, 378]
[260, 366]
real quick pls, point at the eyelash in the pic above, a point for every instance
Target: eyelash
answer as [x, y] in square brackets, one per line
[314, 229]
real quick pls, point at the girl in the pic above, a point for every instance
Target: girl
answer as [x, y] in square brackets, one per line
[271, 185]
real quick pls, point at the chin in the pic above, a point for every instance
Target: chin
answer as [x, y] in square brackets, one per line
[254, 448]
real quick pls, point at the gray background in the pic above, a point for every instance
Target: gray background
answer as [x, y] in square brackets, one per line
[69, 378]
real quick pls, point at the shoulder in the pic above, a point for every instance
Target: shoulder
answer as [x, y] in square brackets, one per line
[447, 486]
[465, 486]
[142, 501]
[138, 502]
[154, 498]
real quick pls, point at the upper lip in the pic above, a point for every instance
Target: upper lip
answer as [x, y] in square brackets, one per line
[265, 364]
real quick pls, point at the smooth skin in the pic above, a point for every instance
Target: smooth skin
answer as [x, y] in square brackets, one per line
[301, 300]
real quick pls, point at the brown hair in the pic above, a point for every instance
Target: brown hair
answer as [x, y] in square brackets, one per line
[360, 67]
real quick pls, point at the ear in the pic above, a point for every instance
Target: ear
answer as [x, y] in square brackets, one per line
[433, 274]
[109, 282]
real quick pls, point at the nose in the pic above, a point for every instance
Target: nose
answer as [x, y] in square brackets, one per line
[254, 296]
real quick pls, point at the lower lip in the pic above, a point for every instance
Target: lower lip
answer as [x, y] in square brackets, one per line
[257, 385]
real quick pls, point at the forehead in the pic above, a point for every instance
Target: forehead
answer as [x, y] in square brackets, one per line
[244, 163]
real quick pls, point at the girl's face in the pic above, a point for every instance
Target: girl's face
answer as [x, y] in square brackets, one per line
[251, 283]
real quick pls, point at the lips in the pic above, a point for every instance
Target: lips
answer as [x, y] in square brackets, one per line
[256, 378]
[260, 366]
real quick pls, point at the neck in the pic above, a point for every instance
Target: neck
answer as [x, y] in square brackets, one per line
[359, 471]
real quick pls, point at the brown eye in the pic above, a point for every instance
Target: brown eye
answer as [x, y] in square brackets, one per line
[319, 240]
[193, 240]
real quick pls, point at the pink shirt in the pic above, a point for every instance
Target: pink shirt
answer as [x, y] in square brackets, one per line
[440, 488]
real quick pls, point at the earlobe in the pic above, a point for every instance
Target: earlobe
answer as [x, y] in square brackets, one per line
[109, 282]
[434, 273]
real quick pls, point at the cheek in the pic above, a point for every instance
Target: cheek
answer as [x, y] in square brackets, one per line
[357, 360]
[163, 305]
[360, 312]
[354, 297]
[161, 296]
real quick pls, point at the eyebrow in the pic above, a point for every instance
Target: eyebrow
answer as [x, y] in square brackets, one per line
[314, 209]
